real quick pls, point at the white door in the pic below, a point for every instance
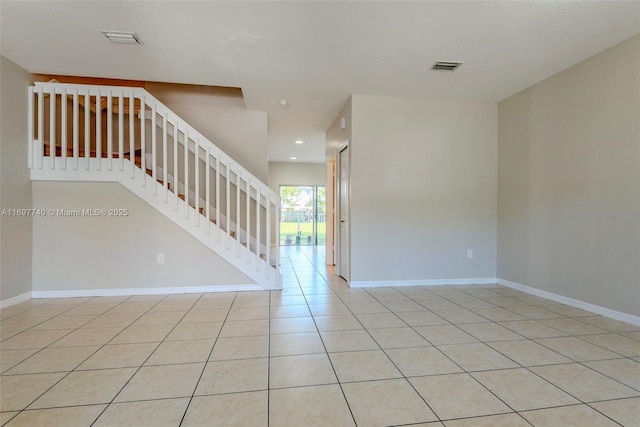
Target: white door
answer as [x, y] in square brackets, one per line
[343, 215]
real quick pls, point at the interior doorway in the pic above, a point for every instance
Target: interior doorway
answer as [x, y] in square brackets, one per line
[303, 215]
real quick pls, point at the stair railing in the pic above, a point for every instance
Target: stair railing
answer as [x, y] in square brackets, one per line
[83, 127]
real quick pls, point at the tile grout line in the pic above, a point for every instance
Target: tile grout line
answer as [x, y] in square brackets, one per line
[74, 369]
[326, 352]
[147, 358]
[215, 341]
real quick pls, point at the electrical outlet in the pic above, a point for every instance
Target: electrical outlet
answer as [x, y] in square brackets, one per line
[160, 258]
[469, 253]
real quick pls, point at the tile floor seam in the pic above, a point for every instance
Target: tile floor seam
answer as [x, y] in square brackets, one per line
[335, 373]
[146, 359]
[68, 372]
[454, 362]
[576, 405]
[204, 367]
[391, 360]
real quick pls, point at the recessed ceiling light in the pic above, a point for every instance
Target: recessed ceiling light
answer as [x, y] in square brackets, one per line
[284, 103]
[292, 158]
[122, 37]
[299, 141]
[446, 65]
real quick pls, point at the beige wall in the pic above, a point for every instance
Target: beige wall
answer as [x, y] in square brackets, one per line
[569, 182]
[281, 173]
[81, 253]
[15, 183]
[423, 189]
[220, 115]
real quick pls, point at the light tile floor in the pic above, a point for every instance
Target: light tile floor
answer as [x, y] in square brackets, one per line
[317, 353]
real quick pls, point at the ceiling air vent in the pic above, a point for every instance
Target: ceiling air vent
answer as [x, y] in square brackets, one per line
[446, 65]
[122, 37]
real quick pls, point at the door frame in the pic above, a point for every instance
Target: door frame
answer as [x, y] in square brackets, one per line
[341, 237]
[330, 250]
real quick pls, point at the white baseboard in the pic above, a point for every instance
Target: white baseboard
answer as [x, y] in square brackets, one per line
[145, 291]
[15, 300]
[603, 311]
[421, 282]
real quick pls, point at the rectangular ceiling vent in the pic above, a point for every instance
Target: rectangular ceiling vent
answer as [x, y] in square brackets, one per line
[446, 65]
[122, 37]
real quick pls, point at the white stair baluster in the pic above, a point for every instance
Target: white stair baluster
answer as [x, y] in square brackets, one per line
[207, 190]
[99, 129]
[196, 178]
[30, 127]
[258, 237]
[186, 171]
[228, 218]
[267, 242]
[41, 126]
[132, 147]
[143, 139]
[218, 195]
[63, 126]
[248, 220]
[165, 167]
[52, 128]
[110, 129]
[121, 129]
[175, 163]
[87, 128]
[154, 160]
[76, 125]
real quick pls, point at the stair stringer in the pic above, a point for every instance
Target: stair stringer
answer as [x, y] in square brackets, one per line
[165, 202]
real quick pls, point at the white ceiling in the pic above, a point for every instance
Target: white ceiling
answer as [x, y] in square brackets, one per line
[316, 53]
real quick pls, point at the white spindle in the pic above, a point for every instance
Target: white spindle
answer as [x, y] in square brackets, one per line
[276, 214]
[267, 242]
[175, 162]
[41, 126]
[238, 228]
[143, 140]
[121, 129]
[154, 142]
[258, 239]
[30, 115]
[52, 127]
[248, 221]
[63, 126]
[87, 128]
[76, 126]
[99, 129]
[132, 147]
[207, 188]
[186, 171]
[110, 129]
[228, 218]
[196, 177]
[218, 194]
[165, 168]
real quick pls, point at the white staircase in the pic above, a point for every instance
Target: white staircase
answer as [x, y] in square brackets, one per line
[125, 135]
